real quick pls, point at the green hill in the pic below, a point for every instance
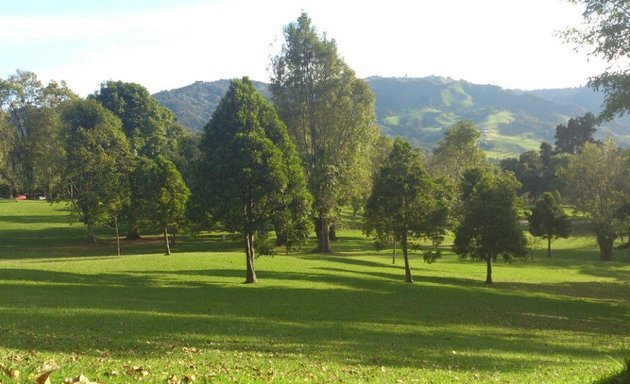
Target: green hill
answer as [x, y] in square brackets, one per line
[421, 109]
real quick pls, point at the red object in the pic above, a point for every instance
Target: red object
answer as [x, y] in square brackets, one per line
[20, 197]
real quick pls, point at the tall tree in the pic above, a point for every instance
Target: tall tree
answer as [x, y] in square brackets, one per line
[33, 156]
[250, 173]
[548, 220]
[570, 137]
[598, 184]
[605, 34]
[329, 114]
[145, 123]
[99, 160]
[490, 225]
[403, 202]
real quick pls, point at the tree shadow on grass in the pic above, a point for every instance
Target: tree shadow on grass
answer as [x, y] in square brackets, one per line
[366, 321]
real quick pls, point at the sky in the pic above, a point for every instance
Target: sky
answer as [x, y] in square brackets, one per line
[166, 44]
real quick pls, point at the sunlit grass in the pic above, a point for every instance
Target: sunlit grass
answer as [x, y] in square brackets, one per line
[311, 318]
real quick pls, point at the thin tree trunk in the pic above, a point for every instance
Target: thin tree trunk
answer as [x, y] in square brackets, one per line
[166, 244]
[249, 253]
[488, 269]
[394, 253]
[173, 236]
[605, 242]
[549, 246]
[405, 249]
[323, 239]
[91, 234]
[117, 236]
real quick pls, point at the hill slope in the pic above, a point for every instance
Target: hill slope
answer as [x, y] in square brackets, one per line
[421, 109]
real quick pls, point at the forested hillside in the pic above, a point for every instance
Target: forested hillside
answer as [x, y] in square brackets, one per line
[420, 109]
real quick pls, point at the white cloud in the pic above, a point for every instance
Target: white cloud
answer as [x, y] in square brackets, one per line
[504, 42]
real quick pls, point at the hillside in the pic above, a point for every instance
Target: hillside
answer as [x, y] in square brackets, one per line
[194, 104]
[421, 109]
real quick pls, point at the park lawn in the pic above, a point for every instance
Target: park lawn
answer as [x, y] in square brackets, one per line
[346, 317]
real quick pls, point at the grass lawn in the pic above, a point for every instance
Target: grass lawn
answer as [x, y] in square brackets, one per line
[347, 317]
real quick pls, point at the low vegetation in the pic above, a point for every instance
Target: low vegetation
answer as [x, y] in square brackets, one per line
[346, 316]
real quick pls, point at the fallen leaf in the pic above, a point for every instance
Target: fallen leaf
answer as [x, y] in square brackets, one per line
[189, 378]
[14, 373]
[172, 379]
[44, 378]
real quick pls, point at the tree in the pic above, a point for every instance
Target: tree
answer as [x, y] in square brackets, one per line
[250, 173]
[458, 151]
[145, 123]
[598, 184]
[605, 34]
[329, 114]
[98, 163]
[548, 220]
[33, 147]
[570, 137]
[403, 202]
[163, 195]
[490, 225]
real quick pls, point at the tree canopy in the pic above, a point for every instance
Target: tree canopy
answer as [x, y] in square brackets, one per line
[250, 173]
[548, 220]
[403, 203]
[98, 164]
[329, 113]
[490, 225]
[598, 184]
[605, 34]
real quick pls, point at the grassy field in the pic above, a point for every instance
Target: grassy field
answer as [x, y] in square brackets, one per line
[346, 317]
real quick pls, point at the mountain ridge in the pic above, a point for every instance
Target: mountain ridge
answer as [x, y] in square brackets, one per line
[421, 109]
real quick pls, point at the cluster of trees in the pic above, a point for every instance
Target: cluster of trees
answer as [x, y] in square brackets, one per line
[115, 155]
[290, 164]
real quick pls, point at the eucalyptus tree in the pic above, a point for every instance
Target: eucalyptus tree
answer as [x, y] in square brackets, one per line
[458, 151]
[330, 116]
[250, 175]
[598, 184]
[98, 163]
[34, 144]
[403, 204]
[490, 228]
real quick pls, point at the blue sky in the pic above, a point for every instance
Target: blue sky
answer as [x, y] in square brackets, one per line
[164, 44]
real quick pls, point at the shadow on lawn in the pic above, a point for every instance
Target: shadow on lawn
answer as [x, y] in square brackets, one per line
[372, 319]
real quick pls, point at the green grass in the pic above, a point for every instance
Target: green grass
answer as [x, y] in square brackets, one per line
[346, 317]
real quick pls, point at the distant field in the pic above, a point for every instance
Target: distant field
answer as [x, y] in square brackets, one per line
[347, 317]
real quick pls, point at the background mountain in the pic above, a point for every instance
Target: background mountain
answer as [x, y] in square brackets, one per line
[421, 109]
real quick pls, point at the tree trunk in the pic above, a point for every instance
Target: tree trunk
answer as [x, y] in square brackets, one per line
[404, 246]
[605, 242]
[332, 233]
[394, 253]
[49, 191]
[133, 233]
[249, 253]
[549, 246]
[488, 269]
[281, 238]
[323, 239]
[133, 228]
[166, 244]
[173, 236]
[117, 236]
[91, 234]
